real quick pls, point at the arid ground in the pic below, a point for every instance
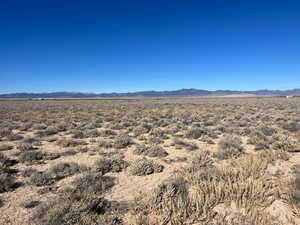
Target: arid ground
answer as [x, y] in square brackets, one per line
[231, 161]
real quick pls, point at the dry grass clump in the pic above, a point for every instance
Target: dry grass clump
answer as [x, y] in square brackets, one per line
[143, 166]
[114, 165]
[170, 198]
[193, 201]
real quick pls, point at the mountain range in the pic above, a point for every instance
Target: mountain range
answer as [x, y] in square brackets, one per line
[153, 94]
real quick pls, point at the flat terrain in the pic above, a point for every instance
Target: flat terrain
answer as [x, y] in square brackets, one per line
[208, 161]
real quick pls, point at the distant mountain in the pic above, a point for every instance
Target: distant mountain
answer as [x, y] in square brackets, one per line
[152, 94]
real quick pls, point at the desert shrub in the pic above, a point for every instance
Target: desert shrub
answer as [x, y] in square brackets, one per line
[54, 173]
[25, 146]
[93, 125]
[80, 204]
[191, 195]
[156, 151]
[27, 172]
[5, 162]
[143, 166]
[68, 152]
[143, 129]
[105, 143]
[194, 133]
[174, 193]
[25, 126]
[296, 184]
[122, 141]
[140, 149]
[259, 140]
[92, 133]
[41, 179]
[77, 209]
[51, 139]
[207, 140]
[209, 122]
[93, 183]
[107, 132]
[77, 134]
[31, 156]
[7, 182]
[64, 169]
[159, 133]
[202, 159]
[4, 132]
[285, 142]
[267, 130]
[14, 137]
[180, 143]
[64, 142]
[291, 126]
[175, 160]
[31, 204]
[30, 140]
[116, 164]
[229, 146]
[51, 156]
[152, 151]
[154, 140]
[61, 127]
[39, 126]
[5, 147]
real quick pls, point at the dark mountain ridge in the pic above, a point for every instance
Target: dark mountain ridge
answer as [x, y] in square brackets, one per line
[150, 94]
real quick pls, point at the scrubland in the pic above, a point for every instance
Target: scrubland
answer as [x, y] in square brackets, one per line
[231, 161]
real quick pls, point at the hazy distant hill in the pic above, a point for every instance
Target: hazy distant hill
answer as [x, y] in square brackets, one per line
[155, 94]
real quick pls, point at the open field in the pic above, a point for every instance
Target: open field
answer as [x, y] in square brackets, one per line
[208, 161]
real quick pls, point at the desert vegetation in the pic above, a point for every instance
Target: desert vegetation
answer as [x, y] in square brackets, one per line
[209, 161]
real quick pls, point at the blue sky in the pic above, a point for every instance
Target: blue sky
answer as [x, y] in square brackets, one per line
[119, 46]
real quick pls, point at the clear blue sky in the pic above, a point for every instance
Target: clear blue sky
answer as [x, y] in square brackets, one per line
[105, 46]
